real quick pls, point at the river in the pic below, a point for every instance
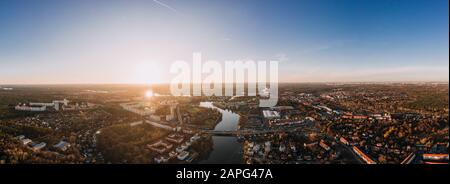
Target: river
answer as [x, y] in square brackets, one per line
[226, 149]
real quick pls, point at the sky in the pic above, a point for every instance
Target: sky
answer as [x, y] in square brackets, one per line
[136, 41]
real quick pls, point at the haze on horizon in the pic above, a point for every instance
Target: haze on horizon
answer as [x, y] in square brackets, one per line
[118, 41]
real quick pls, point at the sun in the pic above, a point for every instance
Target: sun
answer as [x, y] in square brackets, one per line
[149, 93]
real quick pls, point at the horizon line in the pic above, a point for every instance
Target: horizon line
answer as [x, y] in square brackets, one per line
[310, 82]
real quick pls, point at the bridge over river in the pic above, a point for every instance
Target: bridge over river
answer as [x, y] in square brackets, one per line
[256, 132]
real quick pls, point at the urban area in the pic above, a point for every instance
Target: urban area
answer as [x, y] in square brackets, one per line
[313, 123]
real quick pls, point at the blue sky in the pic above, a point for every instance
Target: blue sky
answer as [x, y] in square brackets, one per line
[50, 41]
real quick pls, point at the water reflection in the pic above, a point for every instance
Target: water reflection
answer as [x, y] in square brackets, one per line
[225, 149]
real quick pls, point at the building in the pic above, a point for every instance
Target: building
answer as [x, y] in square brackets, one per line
[173, 154]
[195, 138]
[344, 141]
[30, 108]
[324, 145]
[160, 147]
[267, 146]
[62, 145]
[183, 155]
[39, 146]
[269, 114]
[175, 138]
[40, 107]
[41, 104]
[161, 159]
[20, 137]
[65, 102]
[26, 141]
[435, 157]
[363, 156]
[155, 117]
[138, 108]
[282, 148]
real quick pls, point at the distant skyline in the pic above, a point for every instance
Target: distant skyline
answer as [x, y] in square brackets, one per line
[118, 41]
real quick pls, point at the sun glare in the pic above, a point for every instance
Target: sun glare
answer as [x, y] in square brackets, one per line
[149, 93]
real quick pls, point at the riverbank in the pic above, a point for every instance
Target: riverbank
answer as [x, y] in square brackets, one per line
[225, 149]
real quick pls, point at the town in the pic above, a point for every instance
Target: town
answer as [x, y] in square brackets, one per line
[323, 123]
